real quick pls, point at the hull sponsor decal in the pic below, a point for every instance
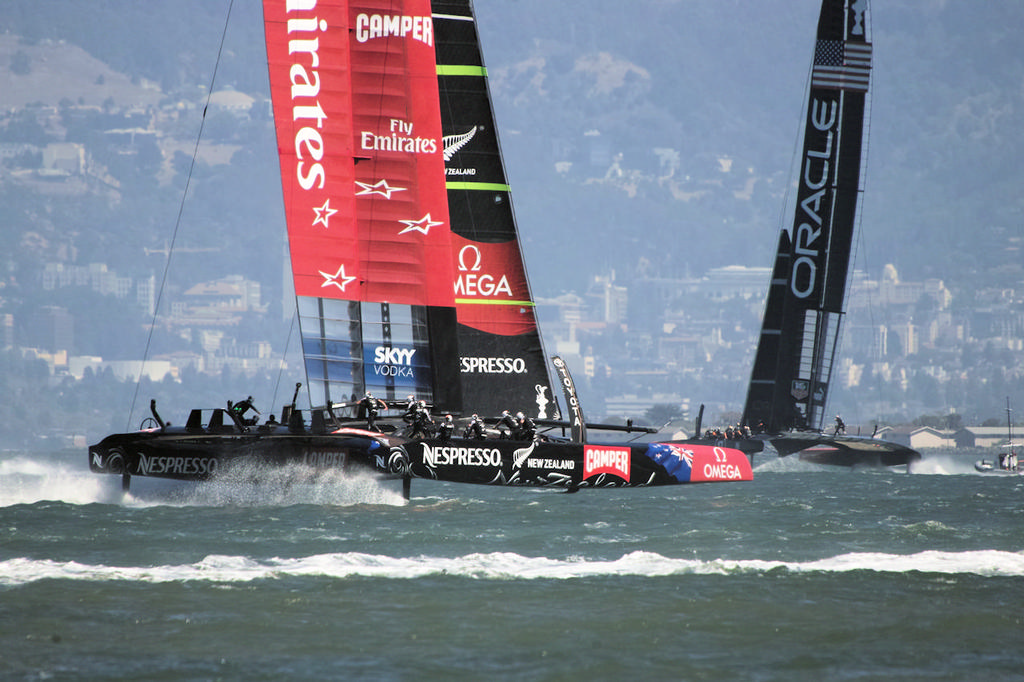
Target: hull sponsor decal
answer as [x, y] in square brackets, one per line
[579, 424]
[176, 466]
[323, 459]
[444, 455]
[606, 460]
[493, 366]
[700, 463]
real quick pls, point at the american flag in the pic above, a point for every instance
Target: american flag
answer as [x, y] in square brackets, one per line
[842, 66]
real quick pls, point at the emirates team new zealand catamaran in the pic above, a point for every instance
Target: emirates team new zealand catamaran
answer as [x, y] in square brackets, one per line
[409, 280]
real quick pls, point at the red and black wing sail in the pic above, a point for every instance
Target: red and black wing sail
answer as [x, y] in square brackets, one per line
[502, 361]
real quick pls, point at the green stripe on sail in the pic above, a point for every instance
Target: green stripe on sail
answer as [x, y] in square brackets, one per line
[485, 186]
[478, 301]
[461, 70]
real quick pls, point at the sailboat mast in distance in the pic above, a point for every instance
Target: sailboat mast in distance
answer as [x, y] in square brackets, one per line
[801, 330]
[354, 89]
[501, 358]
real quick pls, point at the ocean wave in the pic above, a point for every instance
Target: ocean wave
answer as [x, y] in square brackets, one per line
[502, 566]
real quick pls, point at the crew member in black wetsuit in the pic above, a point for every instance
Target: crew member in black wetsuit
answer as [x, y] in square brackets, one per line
[526, 429]
[420, 420]
[409, 416]
[243, 406]
[508, 422]
[840, 426]
[370, 406]
[445, 429]
[475, 428]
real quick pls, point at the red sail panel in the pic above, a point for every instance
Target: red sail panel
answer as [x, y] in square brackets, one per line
[354, 87]
[491, 291]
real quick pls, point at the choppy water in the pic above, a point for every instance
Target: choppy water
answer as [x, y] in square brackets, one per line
[808, 573]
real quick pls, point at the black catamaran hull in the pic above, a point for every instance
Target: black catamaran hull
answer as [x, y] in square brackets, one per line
[180, 454]
[175, 453]
[570, 465]
[847, 451]
[819, 448]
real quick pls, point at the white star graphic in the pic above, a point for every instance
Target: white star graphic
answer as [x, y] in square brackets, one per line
[324, 213]
[330, 279]
[422, 225]
[380, 187]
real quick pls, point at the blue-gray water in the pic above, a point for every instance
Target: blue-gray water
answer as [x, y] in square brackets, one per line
[808, 573]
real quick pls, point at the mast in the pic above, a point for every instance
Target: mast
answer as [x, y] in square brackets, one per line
[804, 311]
[1009, 427]
[501, 359]
[356, 110]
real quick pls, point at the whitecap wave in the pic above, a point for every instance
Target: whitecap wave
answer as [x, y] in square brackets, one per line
[503, 566]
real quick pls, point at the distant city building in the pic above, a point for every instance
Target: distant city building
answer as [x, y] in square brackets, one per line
[66, 157]
[981, 437]
[98, 278]
[50, 328]
[890, 291]
[229, 294]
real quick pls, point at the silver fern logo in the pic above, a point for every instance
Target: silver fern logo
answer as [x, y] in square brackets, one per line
[521, 454]
[453, 143]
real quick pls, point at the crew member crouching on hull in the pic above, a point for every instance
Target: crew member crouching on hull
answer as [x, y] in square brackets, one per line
[506, 422]
[525, 428]
[475, 428]
[445, 429]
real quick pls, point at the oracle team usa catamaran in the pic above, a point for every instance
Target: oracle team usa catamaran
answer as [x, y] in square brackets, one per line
[409, 280]
[800, 334]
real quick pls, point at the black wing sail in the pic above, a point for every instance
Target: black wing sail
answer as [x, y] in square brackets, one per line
[804, 311]
[502, 361]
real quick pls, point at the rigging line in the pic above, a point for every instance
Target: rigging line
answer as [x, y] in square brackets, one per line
[861, 251]
[177, 222]
[284, 357]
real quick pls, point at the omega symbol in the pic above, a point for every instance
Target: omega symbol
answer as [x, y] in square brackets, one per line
[462, 259]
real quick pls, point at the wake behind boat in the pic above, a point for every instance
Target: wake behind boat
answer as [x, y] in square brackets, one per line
[407, 270]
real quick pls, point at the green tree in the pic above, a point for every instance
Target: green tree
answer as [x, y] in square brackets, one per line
[663, 413]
